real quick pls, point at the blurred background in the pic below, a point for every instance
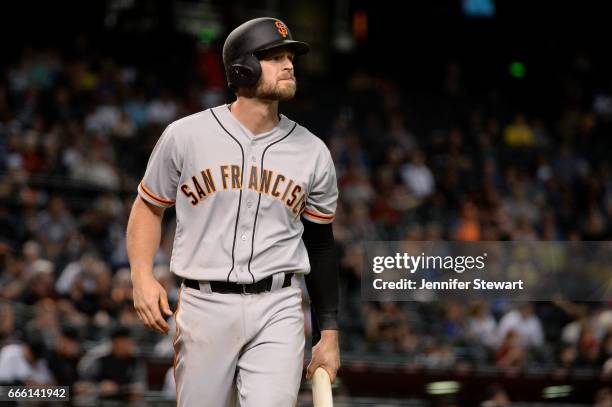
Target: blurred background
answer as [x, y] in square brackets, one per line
[459, 120]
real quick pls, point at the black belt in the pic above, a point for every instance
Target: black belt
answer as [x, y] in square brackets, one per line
[236, 288]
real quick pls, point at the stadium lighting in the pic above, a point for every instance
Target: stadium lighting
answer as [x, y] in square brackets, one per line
[517, 69]
[440, 388]
[206, 35]
[553, 392]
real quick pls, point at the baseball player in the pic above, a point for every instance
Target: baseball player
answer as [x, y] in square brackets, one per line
[255, 196]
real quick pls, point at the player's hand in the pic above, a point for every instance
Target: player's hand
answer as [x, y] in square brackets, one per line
[325, 354]
[150, 300]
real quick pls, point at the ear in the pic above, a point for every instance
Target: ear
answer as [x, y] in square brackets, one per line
[243, 73]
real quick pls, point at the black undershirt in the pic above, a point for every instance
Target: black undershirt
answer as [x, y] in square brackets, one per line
[322, 281]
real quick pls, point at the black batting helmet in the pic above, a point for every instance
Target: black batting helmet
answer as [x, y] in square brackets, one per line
[242, 45]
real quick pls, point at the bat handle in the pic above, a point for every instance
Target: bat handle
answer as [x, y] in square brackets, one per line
[321, 389]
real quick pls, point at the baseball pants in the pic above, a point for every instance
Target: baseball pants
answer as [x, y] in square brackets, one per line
[239, 349]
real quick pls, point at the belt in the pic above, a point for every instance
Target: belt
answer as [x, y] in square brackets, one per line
[225, 287]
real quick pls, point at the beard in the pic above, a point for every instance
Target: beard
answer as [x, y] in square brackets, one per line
[278, 91]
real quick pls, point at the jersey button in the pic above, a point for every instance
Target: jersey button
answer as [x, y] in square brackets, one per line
[249, 204]
[243, 237]
[253, 159]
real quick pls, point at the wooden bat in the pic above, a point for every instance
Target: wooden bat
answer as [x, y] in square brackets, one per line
[321, 389]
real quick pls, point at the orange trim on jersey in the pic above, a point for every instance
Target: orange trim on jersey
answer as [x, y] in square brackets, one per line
[318, 215]
[176, 334]
[161, 201]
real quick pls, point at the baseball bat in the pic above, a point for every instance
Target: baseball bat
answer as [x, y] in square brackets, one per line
[321, 389]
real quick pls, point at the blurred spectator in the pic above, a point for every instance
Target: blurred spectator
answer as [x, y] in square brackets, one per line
[39, 283]
[436, 354]
[119, 372]
[55, 225]
[481, 326]
[589, 349]
[568, 166]
[7, 322]
[603, 398]
[357, 186]
[121, 290]
[571, 331]
[519, 133]
[360, 226]
[454, 323]
[387, 328]
[417, 177]
[468, 227]
[105, 118]
[519, 205]
[210, 70]
[510, 354]
[524, 324]
[135, 108]
[77, 127]
[45, 318]
[606, 348]
[163, 110]
[24, 364]
[496, 396]
[63, 359]
[567, 359]
[97, 169]
[401, 136]
[73, 270]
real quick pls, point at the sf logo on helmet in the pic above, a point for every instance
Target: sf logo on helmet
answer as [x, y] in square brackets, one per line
[282, 30]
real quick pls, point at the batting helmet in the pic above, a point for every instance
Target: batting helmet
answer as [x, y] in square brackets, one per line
[242, 45]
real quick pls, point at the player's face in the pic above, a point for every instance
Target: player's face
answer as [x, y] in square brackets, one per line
[277, 81]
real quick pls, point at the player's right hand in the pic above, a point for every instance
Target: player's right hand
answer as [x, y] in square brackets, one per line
[150, 300]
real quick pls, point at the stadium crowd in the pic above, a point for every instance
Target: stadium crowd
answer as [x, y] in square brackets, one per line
[75, 133]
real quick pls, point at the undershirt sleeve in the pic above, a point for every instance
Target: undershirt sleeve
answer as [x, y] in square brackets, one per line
[322, 281]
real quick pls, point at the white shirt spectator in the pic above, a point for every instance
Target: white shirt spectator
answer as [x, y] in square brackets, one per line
[527, 327]
[483, 330]
[95, 171]
[14, 367]
[419, 179]
[72, 271]
[103, 120]
[68, 276]
[161, 111]
[88, 364]
[571, 332]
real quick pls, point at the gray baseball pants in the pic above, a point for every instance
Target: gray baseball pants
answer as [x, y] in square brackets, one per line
[239, 349]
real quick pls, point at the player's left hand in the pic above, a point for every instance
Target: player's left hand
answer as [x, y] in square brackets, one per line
[325, 354]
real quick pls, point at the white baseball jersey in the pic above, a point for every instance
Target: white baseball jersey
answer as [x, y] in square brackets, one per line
[239, 197]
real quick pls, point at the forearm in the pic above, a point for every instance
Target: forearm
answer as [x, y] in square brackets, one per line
[322, 281]
[143, 237]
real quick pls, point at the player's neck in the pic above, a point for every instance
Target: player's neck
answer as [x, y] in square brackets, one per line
[256, 115]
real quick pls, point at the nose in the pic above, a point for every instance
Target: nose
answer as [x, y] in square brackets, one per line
[287, 63]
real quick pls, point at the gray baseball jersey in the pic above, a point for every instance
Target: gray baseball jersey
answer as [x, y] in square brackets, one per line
[239, 197]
